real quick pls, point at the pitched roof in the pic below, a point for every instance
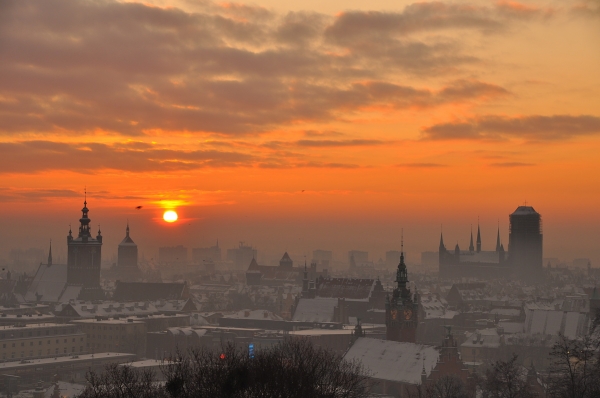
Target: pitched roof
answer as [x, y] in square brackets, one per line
[392, 360]
[149, 291]
[319, 309]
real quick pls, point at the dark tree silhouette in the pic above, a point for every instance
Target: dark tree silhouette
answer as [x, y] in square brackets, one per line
[122, 382]
[291, 369]
[506, 379]
[575, 370]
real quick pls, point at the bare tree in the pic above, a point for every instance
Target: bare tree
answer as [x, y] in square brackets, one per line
[292, 369]
[506, 379]
[122, 381]
[575, 370]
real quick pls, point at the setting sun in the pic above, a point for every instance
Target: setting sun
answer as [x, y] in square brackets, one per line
[170, 216]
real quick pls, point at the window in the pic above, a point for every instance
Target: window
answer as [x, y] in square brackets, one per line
[13, 344]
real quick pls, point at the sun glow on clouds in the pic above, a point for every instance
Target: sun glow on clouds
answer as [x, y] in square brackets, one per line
[200, 108]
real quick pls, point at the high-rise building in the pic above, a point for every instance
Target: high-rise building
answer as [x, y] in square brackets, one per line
[84, 258]
[241, 256]
[206, 254]
[401, 310]
[525, 241]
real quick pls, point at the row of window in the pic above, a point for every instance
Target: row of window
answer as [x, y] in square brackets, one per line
[40, 342]
[39, 352]
[31, 333]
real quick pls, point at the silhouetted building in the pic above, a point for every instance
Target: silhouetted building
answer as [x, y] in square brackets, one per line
[127, 259]
[286, 261]
[525, 242]
[357, 258]
[84, 259]
[175, 255]
[206, 254]
[241, 256]
[392, 258]
[401, 310]
[473, 262]
[148, 291]
[322, 257]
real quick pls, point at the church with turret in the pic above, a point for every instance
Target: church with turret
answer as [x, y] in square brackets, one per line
[523, 258]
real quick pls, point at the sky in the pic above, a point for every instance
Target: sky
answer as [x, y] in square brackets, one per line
[298, 125]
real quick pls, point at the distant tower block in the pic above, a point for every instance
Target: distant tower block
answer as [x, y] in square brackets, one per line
[84, 258]
[525, 241]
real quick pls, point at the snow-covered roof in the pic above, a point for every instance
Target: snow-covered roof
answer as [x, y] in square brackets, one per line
[392, 360]
[319, 309]
[48, 283]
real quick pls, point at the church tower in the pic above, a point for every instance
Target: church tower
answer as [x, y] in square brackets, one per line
[401, 310]
[84, 258]
[127, 259]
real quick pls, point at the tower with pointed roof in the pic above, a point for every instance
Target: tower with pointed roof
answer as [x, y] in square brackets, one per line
[286, 261]
[401, 309]
[471, 247]
[50, 255]
[127, 258]
[84, 258]
[478, 238]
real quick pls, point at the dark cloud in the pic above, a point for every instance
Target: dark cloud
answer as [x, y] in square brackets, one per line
[127, 68]
[512, 164]
[543, 128]
[35, 156]
[93, 158]
[421, 165]
[338, 143]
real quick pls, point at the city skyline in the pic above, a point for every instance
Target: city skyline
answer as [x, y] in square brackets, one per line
[299, 126]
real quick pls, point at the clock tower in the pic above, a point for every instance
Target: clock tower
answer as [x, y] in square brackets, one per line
[401, 309]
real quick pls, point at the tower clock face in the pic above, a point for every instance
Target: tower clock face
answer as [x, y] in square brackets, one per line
[394, 314]
[407, 314]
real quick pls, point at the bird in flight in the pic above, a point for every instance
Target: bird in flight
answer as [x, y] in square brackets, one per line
[138, 207]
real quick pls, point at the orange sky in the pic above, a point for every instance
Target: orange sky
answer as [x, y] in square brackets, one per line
[300, 125]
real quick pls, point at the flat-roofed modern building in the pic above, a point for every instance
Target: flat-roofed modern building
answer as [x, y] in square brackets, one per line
[42, 340]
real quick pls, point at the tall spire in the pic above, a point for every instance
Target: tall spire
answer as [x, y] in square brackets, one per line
[442, 247]
[84, 228]
[471, 247]
[50, 254]
[402, 272]
[498, 238]
[478, 237]
[127, 230]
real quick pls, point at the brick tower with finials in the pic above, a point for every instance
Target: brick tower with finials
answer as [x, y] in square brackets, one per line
[401, 309]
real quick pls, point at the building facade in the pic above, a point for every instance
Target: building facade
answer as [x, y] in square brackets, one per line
[401, 310]
[84, 259]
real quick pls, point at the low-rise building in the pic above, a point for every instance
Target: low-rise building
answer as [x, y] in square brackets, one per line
[41, 341]
[114, 335]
